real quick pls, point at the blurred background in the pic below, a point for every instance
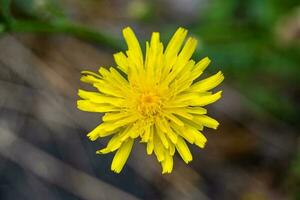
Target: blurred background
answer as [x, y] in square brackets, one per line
[44, 151]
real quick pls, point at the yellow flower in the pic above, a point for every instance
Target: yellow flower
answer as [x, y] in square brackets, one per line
[156, 98]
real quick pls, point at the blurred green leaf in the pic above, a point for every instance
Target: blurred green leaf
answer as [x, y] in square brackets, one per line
[2, 28]
[5, 9]
[47, 16]
[40, 9]
[68, 28]
[240, 37]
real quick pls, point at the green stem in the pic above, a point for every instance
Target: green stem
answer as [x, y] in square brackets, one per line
[2, 28]
[68, 28]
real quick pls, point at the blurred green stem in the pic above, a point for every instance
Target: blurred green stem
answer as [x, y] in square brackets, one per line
[10, 24]
[5, 9]
[65, 27]
[2, 28]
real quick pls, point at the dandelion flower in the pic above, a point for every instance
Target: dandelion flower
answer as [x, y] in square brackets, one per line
[155, 98]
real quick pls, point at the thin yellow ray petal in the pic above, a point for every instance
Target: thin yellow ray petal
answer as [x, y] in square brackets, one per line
[123, 122]
[89, 79]
[90, 73]
[182, 60]
[187, 51]
[173, 49]
[113, 116]
[174, 119]
[161, 134]
[119, 78]
[153, 65]
[181, 131]
[146, 135]
[113, 144]
[206, 99]
[158, 147]
[137, 131]
[199, 138]
[133, 44]
[114, 79]
[96, 97]
[196, 110]
[167, 163]
[94, 134]
[208, 83]
[107, 89]
[191, 123]
[200, 67]
[99, 132]
[121, 156]
[183, 80]
[150, 146]
[121, 61]
[183, 112]
[87, 105]
[183, 150]
[176, 42]
[126, 134]
[164, 124]
[172, 149]
[207, 121]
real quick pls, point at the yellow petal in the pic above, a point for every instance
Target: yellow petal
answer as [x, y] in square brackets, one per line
[161, 135]
[133, 44]
[150, 147]
[113, 116]
[173, 48]
[192, 123]
[206, 99]
[113, 144]
[187, 51]
[158, 148]
[196, 110]
[181, 131]
[174, 119]
[87, 105]
[99, 132]
[123, 122]
[208, 83]
[169, 132]
[200, 67]
[183, 150]
[154, 57]
[182, 112]
[176, 42]
[121, 61]
[167, 163]
[105, 88]
[207, 121]
[199, 138]
[97, 98]
[89, 79]
[172, 149]
[146, 135]
[121, 156]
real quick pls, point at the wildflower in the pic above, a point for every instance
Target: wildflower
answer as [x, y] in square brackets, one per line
[155, 98]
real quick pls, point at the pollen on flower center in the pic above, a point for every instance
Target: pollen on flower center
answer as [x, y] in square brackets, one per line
[149, 104]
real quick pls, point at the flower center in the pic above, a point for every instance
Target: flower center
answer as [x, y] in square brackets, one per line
[149, 104]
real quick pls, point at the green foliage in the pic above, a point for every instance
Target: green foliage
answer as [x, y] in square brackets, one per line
[5, 9]
[42, 9]
[240, 36]
[2, 28]
[47, 16]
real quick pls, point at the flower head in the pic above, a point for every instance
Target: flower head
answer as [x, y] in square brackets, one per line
[156, 99]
